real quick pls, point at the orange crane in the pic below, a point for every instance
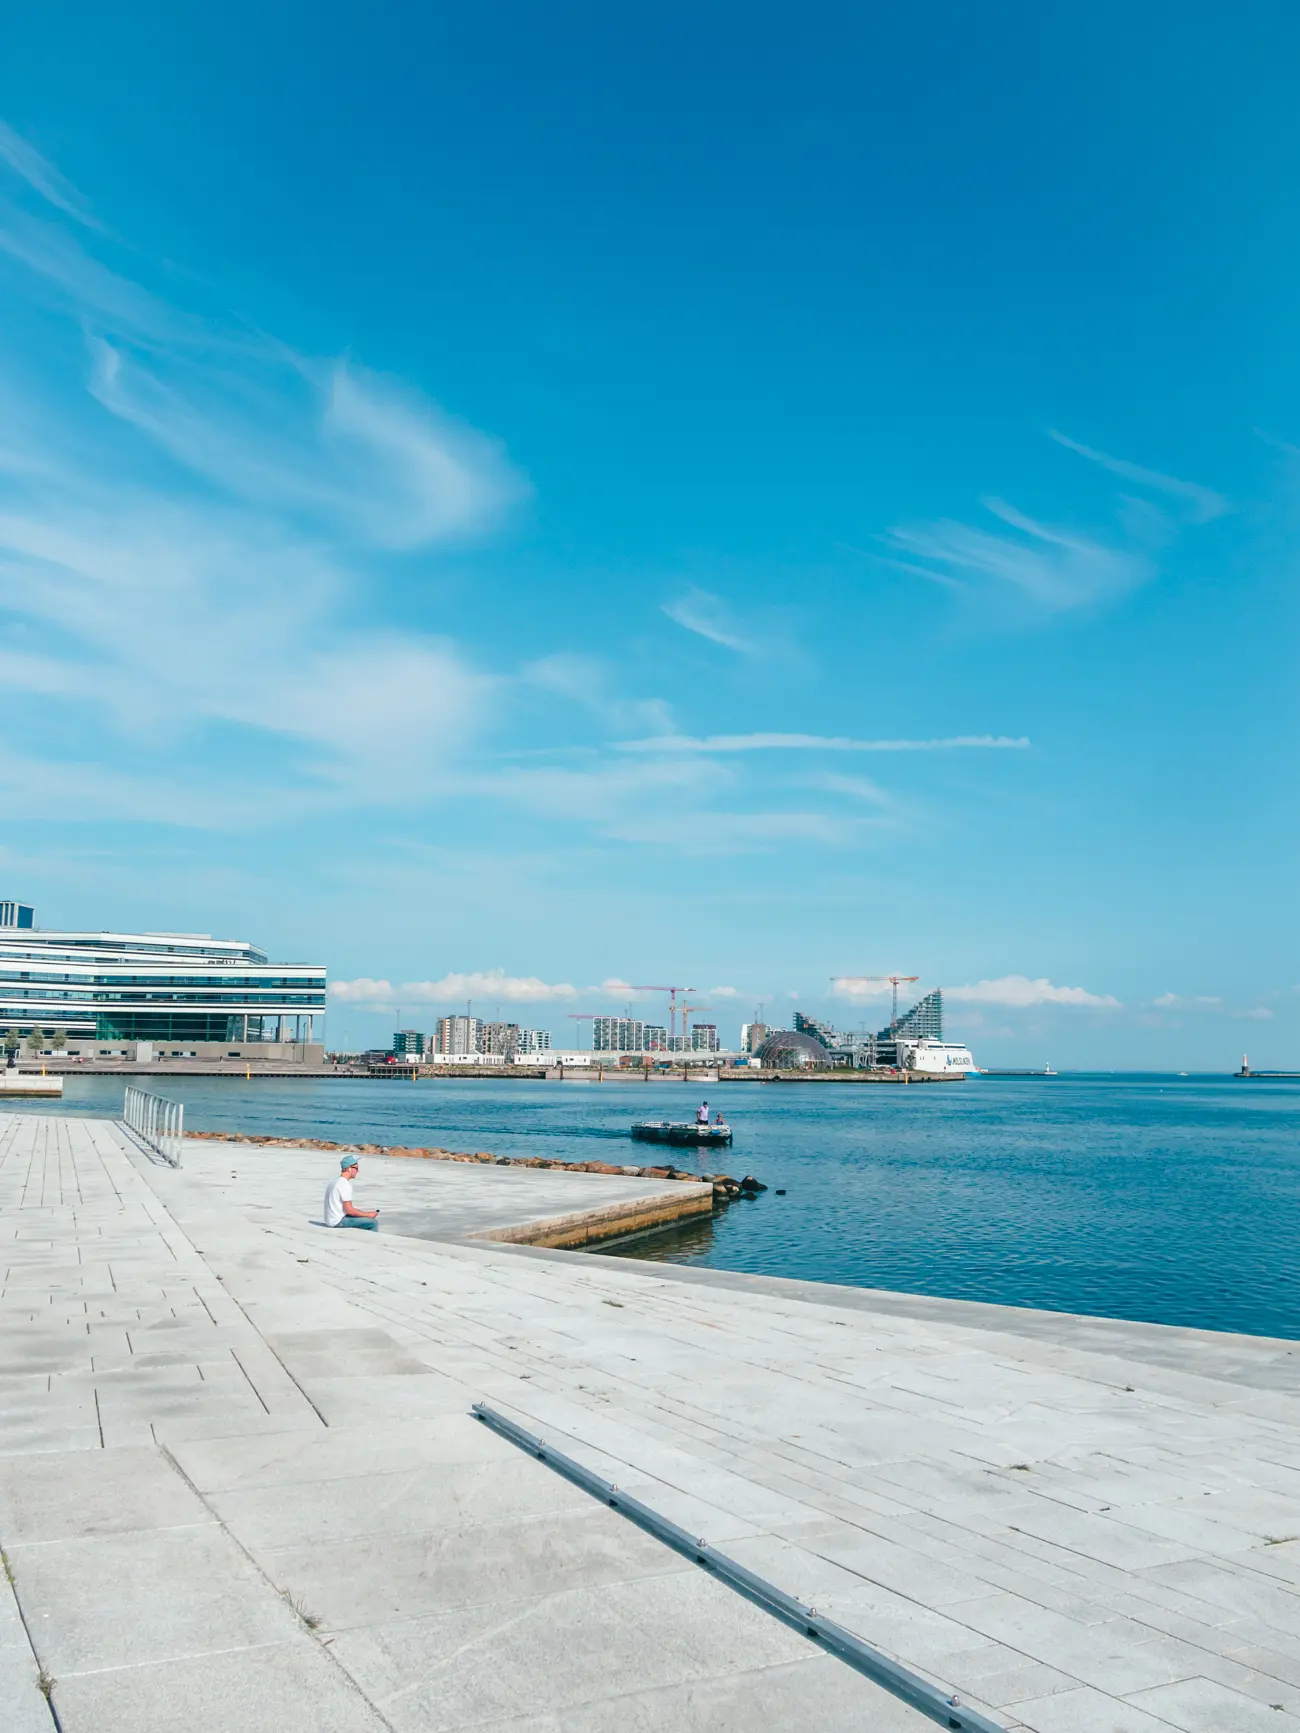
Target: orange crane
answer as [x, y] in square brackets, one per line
[672, 1003]
[861, 981]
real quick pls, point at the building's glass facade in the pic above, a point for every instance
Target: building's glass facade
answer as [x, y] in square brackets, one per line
[154, 987]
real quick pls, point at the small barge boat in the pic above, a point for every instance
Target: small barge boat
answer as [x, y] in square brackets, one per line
[665, 1131]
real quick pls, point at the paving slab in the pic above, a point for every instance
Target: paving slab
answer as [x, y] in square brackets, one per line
[150, 1595]
[23, 1707]
[91, 1493]
[368, 1507]
[818, 1693]
[1200, 1705]
[482, 1663]
[285, 1687]
[389, 1576]
[339, 1453]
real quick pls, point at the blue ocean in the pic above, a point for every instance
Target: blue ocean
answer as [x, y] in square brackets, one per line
[1170, 1199]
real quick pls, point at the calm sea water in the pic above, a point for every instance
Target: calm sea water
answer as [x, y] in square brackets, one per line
[1175, 1200]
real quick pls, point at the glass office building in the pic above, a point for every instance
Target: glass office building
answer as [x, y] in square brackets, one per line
[154, 987]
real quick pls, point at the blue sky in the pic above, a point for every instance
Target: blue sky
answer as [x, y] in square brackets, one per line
[511, 501]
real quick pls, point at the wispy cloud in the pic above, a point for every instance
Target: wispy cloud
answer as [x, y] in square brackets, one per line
[593, 684]
[1202, 503]
[724, 743]
[709, 617]
[1018, 992]
[1054, 568]
[860, 788]
[28, 163]
[1178, 1001]
[330, 442]
[187, 554]
[200, 527]
[1050, 567]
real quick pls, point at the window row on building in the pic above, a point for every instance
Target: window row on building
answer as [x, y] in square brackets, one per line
[229, 991]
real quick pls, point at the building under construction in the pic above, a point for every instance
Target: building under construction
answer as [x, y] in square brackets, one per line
[866, 1051]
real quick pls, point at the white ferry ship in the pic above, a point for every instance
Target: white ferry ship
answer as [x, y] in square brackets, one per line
[930, 1058]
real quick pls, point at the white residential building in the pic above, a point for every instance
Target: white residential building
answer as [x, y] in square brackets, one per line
[458, 1035]
[617, 1035]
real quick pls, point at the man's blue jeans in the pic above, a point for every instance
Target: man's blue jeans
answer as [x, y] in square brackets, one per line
[359, 1222]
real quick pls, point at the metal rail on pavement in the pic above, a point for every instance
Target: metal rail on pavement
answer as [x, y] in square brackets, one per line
[157, 1122]
[908, 1686]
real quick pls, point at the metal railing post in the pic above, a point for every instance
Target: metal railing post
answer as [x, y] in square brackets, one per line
[157, 1122]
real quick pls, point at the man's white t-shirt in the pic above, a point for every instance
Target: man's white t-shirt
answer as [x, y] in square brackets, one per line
[337, 1193]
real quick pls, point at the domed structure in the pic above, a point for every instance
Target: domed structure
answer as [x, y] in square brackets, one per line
[788, 1050]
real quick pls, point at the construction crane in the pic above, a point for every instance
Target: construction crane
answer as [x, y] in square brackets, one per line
[582, 1017]
[686, 1011]
[672, 1003]
[862, 980]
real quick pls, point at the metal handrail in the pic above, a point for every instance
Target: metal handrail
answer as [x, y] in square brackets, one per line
[157, 1122]
[900, 1681]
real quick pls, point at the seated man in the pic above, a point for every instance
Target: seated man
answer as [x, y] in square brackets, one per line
[340, 1211]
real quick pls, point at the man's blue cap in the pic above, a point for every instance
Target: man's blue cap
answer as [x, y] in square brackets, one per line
[348, 1161]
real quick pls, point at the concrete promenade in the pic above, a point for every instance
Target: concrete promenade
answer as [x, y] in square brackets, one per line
[239, 1487]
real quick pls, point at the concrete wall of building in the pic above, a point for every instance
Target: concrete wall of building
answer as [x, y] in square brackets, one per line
[145, 1052]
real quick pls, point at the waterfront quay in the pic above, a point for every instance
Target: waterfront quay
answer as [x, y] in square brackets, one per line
[592, 1069]
[241, 1486]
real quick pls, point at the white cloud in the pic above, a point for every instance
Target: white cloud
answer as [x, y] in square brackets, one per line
[485, 985]
[28, 163]
[593, 684]
[1173, 1001]
[179, 619]
[1051, 567]
[198, 531]
[1056, 569]
[858, 988]
[1019, 992]
[330, 442]
[721, 993]
[1202, 502]
[185, 554]
[1257, 1014]
[722, 743]
[854, 787]
[365, 990]
[709, 617]
[608, 794]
